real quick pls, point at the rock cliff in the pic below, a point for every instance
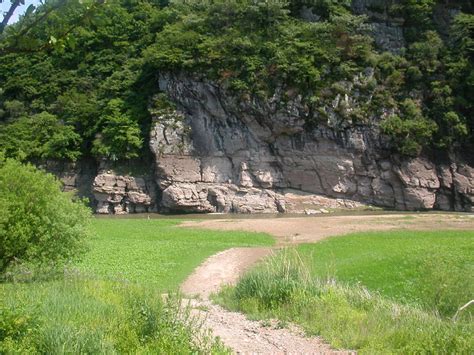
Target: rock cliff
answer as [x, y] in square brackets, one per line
[220, 152]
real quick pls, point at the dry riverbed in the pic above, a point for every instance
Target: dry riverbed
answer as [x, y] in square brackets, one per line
[297, 230]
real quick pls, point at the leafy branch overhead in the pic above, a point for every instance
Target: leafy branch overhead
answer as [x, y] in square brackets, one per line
[67, 16]
[8, 15]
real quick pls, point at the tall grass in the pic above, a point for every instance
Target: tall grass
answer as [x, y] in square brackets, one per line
[347, 316]
[91, 316]
[433, 269]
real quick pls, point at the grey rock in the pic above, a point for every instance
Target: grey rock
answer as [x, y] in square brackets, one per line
[122, 194]
[218, 153]
[242, 156]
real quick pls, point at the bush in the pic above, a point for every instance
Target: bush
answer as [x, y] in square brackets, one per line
[39, 136]
[39, 224]
[410, 131]
[120, 136]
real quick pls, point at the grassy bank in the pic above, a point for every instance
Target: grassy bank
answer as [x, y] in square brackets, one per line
[433, 269]
[83, 316]
[156, 251]
[111, 301]
[294, 286]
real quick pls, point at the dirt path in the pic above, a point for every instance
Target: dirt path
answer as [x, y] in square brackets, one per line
[252, 337]
[242, 335]
[245, 336]
[222, 268]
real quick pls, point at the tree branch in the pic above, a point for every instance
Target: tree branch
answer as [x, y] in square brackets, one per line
[40, 19]
[9, 14]
[14, 48]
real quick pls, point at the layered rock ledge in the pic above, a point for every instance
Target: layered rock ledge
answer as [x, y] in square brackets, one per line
[219, 153]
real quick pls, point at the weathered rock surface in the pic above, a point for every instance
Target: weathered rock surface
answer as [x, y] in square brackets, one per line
[77, 177]
[388, 26]
[252, 156]
[122, 194]
[387, 29]
[124, 189]
[220, 154]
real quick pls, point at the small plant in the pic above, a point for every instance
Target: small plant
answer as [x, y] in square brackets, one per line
[16, 323]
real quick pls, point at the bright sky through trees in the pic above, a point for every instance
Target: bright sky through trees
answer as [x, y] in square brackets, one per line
[5, 5]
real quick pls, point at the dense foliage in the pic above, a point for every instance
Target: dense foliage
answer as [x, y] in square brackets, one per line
[39, 224]
[87, 92]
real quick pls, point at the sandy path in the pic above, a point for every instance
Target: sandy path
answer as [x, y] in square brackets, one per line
[222, 268]
[251, 337]
[245, 336]
[242, 335]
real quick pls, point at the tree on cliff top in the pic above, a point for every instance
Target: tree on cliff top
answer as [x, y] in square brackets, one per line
[94, 80]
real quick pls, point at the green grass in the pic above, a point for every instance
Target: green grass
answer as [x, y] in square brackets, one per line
[83, 316]
[155, 251]
[111, 301]
[432, 269]
[322, 288]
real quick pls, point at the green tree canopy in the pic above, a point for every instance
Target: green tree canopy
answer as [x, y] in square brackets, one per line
[97, 73]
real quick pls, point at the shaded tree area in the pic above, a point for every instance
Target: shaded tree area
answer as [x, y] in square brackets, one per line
[79, 82]
[76, 81]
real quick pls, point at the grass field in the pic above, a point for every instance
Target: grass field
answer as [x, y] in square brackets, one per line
[156, 252]
[84, 316]
[390, 292]
[433, 269]
[111, 301]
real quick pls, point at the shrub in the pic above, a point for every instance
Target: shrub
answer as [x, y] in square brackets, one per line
[410, 131]
[39, 224]
[120, 136]
[39, 136]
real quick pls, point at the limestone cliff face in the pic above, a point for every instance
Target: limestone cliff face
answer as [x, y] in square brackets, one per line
[223, 153]
[220, 153]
